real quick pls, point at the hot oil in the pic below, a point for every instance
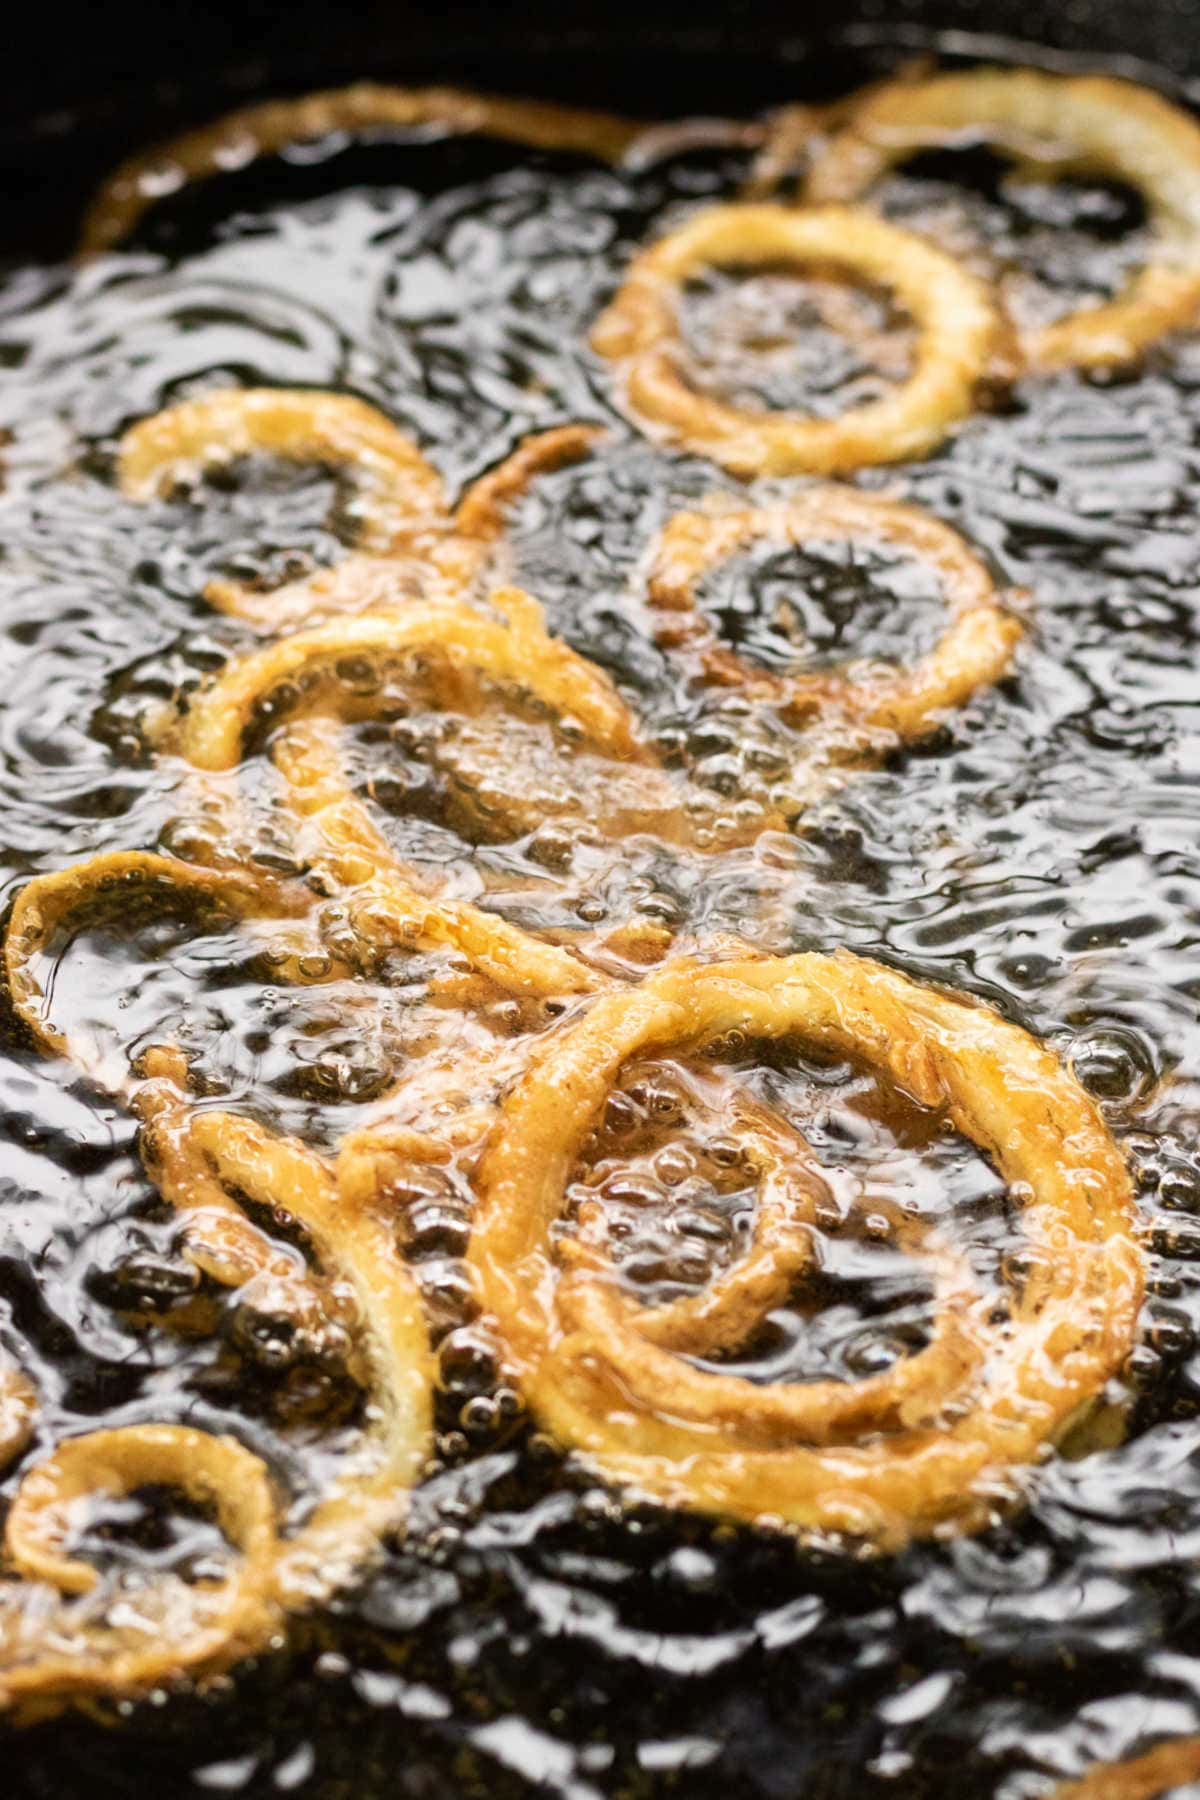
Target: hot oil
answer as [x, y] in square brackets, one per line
[535, 1633]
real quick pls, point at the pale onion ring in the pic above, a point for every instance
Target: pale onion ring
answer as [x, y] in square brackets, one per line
[1156, 1773]
[514, 648]
[959, 328]
[241, 137]
[401, 493]
[975, 651]
[1072, 1325]
[1093, 123]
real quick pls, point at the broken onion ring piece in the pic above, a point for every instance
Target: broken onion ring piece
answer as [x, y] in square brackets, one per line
[959, 328]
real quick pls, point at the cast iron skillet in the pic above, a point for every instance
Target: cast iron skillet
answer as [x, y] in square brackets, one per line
[92, 86]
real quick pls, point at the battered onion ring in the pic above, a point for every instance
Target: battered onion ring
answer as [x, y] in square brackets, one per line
[409, 534]
[218, 1238]
[232, 1616]
[268, 127]
[975, 651]
[1095, 124]
[353, 852]
[64, 1655]
[1159, 1772]
[401, 491]
[1073, 1322]
[959, 324]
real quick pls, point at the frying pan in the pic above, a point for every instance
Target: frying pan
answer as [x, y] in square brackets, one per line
[87, 89]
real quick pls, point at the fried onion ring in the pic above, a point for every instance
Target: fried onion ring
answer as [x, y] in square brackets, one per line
[268, 127]
[400, 491]
[975, 651]
[1072, 1323]
[76, 1654]
[514, 648]
[959, 329]
[641, 1343]
[1094, 124]
[218, 1237]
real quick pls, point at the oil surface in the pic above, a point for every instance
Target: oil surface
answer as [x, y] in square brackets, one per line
[534, 1634]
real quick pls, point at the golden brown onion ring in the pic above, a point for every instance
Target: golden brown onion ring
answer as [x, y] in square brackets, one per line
[268, 127]
[1094, 124]
[1157, 1773]
[514, 648]
[202, 1159]
[975, 651]
[218, 1238]
[641, 1343]
[70, 1653]
[370, 1494]
[401, 493]
[1072, 1323]
[352, 851]
[959, 328]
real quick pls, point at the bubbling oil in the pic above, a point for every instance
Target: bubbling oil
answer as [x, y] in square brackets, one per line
[536, 1633]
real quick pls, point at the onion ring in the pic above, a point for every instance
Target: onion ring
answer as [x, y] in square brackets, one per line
[959, 328]
[218, 1238]
[1072, 1324]
[975, 651]
[640, 1342]
[411, 540]
[353, 852]
[400, 490]
[73, 1655]
[1093, 123]
[241, 137]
